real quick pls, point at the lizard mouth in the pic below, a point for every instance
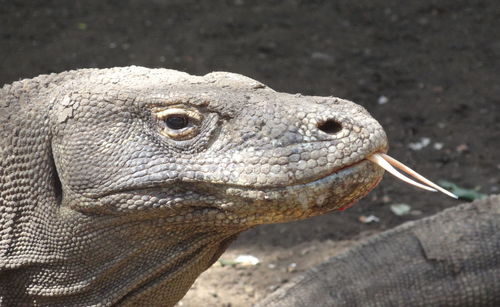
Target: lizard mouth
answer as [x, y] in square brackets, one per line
[336, 191]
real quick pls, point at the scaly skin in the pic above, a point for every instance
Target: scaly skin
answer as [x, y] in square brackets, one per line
[449, 259]
[102, 203]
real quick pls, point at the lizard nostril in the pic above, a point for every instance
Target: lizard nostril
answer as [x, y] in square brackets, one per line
[330, 126]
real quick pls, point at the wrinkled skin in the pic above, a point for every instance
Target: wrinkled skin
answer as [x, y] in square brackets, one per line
[105, 200]
[448, 259]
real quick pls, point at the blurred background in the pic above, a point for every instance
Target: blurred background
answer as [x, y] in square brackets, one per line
[428, 70]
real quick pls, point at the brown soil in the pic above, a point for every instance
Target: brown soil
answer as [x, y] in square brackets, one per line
[436, 62]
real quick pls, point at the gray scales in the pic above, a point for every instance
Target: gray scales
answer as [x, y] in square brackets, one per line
[120, 186]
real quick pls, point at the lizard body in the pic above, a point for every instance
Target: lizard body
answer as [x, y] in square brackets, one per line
[448, 259]
[120, 186]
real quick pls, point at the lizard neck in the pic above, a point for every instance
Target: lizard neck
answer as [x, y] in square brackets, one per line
[140, 263]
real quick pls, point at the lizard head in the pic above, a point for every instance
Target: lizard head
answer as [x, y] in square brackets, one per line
[122, 185]
[221, 149]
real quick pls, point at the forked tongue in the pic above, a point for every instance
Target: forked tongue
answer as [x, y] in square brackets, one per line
[386, 162]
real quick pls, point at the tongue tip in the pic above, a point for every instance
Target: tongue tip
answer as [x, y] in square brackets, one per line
[385, 161]
[451, 195]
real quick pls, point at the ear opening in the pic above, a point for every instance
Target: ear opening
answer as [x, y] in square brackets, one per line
[57, 185]
[56, 181]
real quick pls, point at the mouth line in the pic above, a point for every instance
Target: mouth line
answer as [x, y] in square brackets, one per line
[332, 173]
[343, 168]
[278, 192]
[269, 188]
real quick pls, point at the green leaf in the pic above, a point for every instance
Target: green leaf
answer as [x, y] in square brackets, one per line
[400, 209]
[225, 262]
[81, 26]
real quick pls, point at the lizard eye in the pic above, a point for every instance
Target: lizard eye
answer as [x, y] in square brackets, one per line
[179, 123]
[176, 122]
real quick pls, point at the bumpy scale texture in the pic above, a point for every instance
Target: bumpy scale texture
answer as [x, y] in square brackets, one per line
[120, 186]
[449, 259]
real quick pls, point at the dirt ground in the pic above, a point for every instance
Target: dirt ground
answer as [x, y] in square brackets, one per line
[428, 70]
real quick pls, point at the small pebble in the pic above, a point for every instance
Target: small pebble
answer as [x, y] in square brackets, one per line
[438, 146]
[400, 209]
[383, 100]
[424, 142]
[368, 219]
[291, 267]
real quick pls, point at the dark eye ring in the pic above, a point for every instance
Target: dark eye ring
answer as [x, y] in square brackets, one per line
[177, 121]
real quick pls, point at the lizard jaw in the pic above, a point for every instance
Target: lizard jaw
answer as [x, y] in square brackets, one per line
[333, 192]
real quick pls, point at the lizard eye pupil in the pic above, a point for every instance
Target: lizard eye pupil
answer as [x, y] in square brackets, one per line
[176, 122]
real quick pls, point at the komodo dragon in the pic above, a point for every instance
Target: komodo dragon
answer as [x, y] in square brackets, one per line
[120, 186]
[449, 259]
